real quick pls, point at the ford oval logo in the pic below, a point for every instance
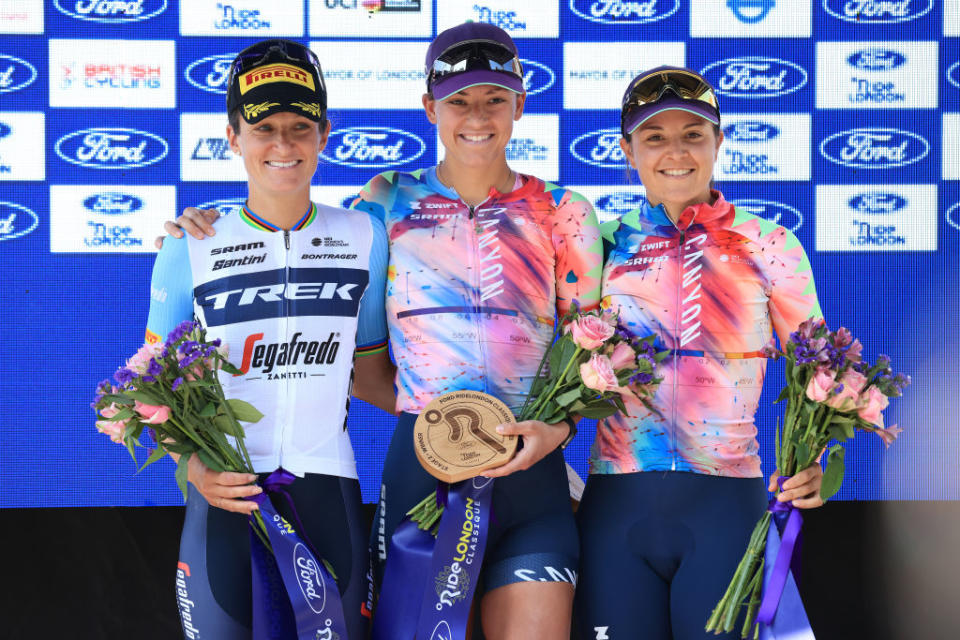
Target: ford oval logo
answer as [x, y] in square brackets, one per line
[537, 77]
[113, 203]
[750, 131]
[876, 59]
[953, 74]
[15, 73]
[755, 77]
[874, 148]
[599, 148]
[781, 214]
[877, 11]
[210, 73]
[4, 130]
[619, 203]
[624, 11]
[111, 148]
[373, 147]
[16, 220]
[877, 202]
[441, 631]
[111, 11]
[225, 206]
[308, 576]
[953, 216]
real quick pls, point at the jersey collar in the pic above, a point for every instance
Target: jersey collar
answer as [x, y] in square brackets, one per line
[257, 222]
[701, 213]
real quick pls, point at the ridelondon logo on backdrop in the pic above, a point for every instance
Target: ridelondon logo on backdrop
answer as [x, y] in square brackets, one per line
[777, 212]
[877, 11]
[506, 20]
[373, 147]
[755, 77]
[15, 73]
[874, 148]
[210, 73]
[537, 77]
[624, 11]
[111, 148]
[16, 221]
[599, 148]
[111, 11]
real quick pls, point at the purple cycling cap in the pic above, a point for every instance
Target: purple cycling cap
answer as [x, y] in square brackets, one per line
[471, 54]
[665, 89]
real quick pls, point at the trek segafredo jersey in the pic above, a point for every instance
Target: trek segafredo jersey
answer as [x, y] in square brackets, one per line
[293, 306]
[472, 292]
[712, 288]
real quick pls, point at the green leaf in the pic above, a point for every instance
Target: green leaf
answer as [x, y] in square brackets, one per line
[144, 397]
[784, 394]
[208, 411]
[206, 459]
[618, 401]
[802, 454]
[244, 410]
[229, 368]
[157, 453]
[833, 476]
[568, 397]
[181, 474]
[836, 432]
[577, 406]
[225, 424]
[841, 419]
[598, 411]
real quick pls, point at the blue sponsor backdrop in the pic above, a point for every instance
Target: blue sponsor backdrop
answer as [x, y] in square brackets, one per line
[882, 150]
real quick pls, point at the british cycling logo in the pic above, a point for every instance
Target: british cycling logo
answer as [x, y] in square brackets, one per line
[537, 77]
[16, 220]
[755, 77]
[111, 148]
[750, 131]
[599, 148]
[442, 631]
[874, 148]
[506, 20]
[624, 12]
[953, 75]
[877, 11]
[308, 575]
[15, 74]
[225, 206]
[373, 147]
[751, 11]
[777, 212]
[231, 17]
[877, 203]
[875, 59]
[112, 203]
[210, 73]
[111, 11]
[953, 216]
[619, 203]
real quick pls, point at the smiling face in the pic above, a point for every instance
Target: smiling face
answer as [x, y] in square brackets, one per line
[674, 152]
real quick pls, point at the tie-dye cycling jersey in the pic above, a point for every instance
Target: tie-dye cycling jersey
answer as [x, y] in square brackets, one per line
[712, 288]
[472, 292]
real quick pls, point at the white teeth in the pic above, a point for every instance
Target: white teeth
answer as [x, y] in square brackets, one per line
[677, 172]
[282, 165]
[476, 138]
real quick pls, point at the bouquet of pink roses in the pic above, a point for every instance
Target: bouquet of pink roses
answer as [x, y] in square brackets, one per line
[830, 392]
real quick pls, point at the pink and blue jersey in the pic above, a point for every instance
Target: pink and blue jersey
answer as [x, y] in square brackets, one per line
[473, 292]
[713, 288]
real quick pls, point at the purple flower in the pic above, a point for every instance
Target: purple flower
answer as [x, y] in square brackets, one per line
[154, 368]
[124, 375]
[176, 383]
[641, 378]
[179, 331]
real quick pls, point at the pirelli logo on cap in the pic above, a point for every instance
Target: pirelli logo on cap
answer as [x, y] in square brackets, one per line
[275, 73]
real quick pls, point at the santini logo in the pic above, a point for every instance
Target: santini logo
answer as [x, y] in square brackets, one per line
[16, 220]
[111, 11]
[619, 203]
[599, 148]
[373, 147]
[623, 11]
[877, 203]
[877, 11]
[874, 148]
[777, 212]
[224, 206]
[537, 77]
[15, 73]
[876, 59]
[210, 73]
[111, 148]
[750, 131]
[755, 77]
[113, 203]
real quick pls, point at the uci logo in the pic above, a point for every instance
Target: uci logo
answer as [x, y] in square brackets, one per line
[210, 73]
[953, 75]
[373, 147]
[751, 11]
[877, 203]
[755, 77]
[15, 74]
[876, 60]
[775, 212]
[877, 11]
[311, 582]
[537, 77]
[16, 221]
[113, 203]
[225, 206]
[750, 131]
[111, 11]
[111, 148]
[599, 148]
[624, 11]
[619, 203]
[874, 148]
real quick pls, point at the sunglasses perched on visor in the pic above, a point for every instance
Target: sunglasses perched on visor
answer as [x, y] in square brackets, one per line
[650, 89]
[474, 55]
[276, 51]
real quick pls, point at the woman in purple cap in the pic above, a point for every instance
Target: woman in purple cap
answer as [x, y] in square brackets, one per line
[674, 493]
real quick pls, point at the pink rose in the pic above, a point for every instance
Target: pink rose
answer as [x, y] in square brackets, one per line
[820, 384]
[854, 353]
[112, 428]
[872, 404]
[141, 359]
[110, 411]
[597, 373]
[152, 413]
[623, 357]
[589, 332]
[844, 400]
[854, 380]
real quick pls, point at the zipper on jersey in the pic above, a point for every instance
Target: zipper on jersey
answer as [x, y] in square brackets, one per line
[475, 294]
[288, 401]
[676, 356]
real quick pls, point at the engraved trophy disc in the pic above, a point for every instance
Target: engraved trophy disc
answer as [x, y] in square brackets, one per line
[455, 436]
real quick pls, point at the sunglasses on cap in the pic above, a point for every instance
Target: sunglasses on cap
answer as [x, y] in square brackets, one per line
[650, 89]
[474, 55]
[276, 51]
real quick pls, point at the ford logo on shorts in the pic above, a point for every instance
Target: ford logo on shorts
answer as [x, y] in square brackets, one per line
[750, 131]
[876, 59]
[777, 212]
[111, 11]
[308, 576]
[874, 148]
[599, 148]
[624, 11]
[373, 147]
[619, 203]
[210, 73]
[15, 73]
[5, 130]
[225, 206]
[537, 77]
[953, 75]
[113, 203]
[877, 203]
[111, 148]
[16, 220]
[877, 11]
[953, 216]
[755, 77]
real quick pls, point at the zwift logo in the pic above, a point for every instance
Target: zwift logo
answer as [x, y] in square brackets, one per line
[111, 148]
[751, 11]
[113, 203]
[224, 206]
[537, 77]
[876, 60]
[210, 73]
[111, 11]
[15, 74]
[776, 212]
[373, 147]
[755, 77]
[877, 11]
[599, 148]
[874, 148]
[877, 203]
[624, 11]
[308, 576]
[16, 221]
[750, 131]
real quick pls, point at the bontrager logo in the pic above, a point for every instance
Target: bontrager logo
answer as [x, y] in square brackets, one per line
[111, 11]
[877, 11]
[750, 131]
[755, 77]
[537, 77]
[15, 74]
[16, 221]
[777, 212]
[210, 73]
[624, 11]
[877, 203]
[113, 203]
[874, 148]
[876, 59]
[599, 148]
[373, 147]
[111, 148]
